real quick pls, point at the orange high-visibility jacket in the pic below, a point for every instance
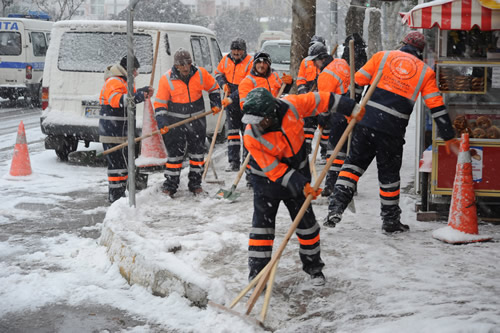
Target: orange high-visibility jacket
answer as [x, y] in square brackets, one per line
[306, 76]
[230, 72]
[233, 72]
[175, 98]
[252, 81]
[335, 77]
[113, 115]
[404, 78]
[279, 153]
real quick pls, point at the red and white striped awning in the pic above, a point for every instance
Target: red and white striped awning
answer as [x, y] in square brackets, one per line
[455, 15]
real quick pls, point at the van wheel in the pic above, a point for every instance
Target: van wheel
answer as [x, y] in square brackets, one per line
[65, 147]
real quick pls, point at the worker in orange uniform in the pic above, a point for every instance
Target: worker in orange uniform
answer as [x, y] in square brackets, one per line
[335, 77]
[306, 82]
[381, 132]
[279, 170]
[232, 68]
[263, 76]
[179, 97]
[113, 123]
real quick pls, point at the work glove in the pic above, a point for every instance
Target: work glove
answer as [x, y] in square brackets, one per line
[452, 145]
[287, 79]
[309, 190]
[227, 90]
[226, 101]
[358, 112]
[215, 110]
[141, 94]
[164, 130]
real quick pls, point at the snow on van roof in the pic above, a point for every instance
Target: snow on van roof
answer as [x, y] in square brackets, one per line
[90, 24]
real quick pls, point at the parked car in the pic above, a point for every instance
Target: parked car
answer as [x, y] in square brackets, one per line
[279, 50]
[23, 45]
[271, 35]
[74, 72]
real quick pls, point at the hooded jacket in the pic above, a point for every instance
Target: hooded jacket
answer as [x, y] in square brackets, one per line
[113, 115]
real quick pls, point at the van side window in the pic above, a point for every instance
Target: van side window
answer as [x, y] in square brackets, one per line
[10, 43]
[94, 51]
[201, 52]
[167, 45]
[39, 44]
[216, 50]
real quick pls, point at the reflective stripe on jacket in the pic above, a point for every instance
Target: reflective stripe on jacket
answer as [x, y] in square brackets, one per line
[252, 81]
[280, 154]
[113, 116]
[231, 73]
[306, 75]
[404, 77]
[335, 77]
[182, 100]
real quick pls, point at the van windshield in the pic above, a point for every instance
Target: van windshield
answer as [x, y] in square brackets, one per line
[93, 52]
[10, 43]
[280, 53]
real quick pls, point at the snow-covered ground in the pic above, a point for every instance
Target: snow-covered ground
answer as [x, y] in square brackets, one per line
[375, 283]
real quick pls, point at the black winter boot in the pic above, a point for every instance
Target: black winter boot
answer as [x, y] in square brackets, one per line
[318, 279]
[332, 219]
[394, 226]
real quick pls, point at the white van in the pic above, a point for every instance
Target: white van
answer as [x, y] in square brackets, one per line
[271, 35]
[23, 44]
[279, 51]
[74, 72]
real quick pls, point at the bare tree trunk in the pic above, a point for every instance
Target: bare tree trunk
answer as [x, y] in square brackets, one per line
[355, 18]
[303, 28]
[374, 33]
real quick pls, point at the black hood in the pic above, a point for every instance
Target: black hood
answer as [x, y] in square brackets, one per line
[412, 50]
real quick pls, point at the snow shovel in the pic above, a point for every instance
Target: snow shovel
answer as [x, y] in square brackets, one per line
[212, 145]
[266, 275]
[164, 129]
[231, 194]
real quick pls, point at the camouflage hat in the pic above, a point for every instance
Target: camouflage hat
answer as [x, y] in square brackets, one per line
[259, 104]
[182, 57]
[415, 39]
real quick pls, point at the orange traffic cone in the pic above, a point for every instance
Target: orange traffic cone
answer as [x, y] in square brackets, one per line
[21, 165]
[462, 221]
[153, 151]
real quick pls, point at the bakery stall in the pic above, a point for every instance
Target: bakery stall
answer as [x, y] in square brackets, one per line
[463, 38]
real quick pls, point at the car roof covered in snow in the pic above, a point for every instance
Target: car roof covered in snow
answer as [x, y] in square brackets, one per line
[91, 24]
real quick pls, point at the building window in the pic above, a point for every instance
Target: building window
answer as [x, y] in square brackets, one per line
[97, 7]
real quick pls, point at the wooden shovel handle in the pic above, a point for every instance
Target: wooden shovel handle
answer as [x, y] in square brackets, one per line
[312, 162]
[152, 80]
[242, 170]
[214, 138]
[142, 137]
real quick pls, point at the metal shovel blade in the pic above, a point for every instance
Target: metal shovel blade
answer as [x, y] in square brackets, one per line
[229, 195]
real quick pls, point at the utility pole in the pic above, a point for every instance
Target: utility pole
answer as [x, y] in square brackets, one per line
[131, 103]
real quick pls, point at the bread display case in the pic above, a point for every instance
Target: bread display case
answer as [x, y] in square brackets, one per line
[471, 91]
